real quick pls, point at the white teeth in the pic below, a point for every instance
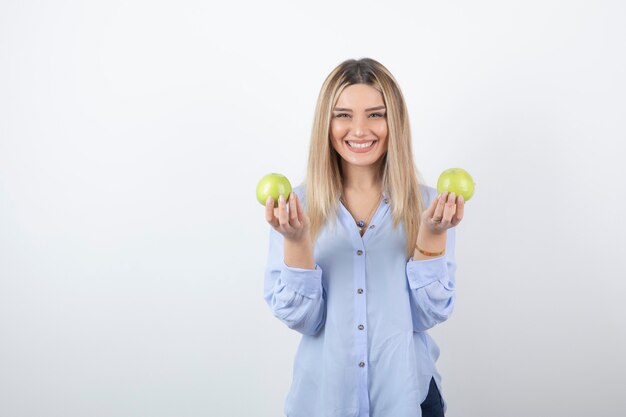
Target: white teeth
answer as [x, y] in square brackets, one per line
[357, 145]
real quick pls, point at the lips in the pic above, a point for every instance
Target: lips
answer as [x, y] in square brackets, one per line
[359, 149]
[360, 142]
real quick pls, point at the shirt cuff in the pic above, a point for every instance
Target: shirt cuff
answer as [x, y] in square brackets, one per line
[422, 272]
[307, 282]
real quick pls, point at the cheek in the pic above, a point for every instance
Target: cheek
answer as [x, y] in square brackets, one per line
[334, 138]
[382, 131]
[337, 133]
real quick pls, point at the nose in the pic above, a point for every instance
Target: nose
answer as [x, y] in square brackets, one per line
[360, 126]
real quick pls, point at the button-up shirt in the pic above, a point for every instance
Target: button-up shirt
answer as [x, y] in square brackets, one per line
[363, 314]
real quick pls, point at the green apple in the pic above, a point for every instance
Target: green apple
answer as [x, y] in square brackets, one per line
[273, 185]
[457, 181]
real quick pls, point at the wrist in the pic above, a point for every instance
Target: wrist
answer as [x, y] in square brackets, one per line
[299, 254]
[298, 242]
[429, 245]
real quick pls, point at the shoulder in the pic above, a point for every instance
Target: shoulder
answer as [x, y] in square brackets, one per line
[300, 191]
[428, 193]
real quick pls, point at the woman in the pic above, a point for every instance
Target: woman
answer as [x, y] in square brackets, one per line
[356, 264]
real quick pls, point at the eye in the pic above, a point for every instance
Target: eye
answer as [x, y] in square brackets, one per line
[377, 114]
[340, 115]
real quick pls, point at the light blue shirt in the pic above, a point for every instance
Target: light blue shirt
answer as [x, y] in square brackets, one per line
[363, 313]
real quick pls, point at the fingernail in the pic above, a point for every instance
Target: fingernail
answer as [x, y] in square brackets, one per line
[281, 198]
[269, 198]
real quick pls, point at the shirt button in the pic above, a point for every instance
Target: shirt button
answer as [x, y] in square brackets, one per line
[359, 252]
[361, 327]
[361, 364]
[372, 226]
[360, 290]
[386, 200]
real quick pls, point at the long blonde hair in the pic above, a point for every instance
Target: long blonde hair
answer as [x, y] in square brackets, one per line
[324, 181]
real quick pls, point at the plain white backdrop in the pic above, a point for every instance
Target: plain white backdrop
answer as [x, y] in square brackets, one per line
[132, 248]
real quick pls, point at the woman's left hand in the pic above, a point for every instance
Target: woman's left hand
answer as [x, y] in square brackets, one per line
[444, 212]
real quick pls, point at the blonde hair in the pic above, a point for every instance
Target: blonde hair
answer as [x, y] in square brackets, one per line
[324, 181]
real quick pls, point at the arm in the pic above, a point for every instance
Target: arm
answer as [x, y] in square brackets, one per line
[295, 295]
[432, 283]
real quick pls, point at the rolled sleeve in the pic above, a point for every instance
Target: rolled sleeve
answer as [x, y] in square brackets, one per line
[307, 282]
[424, 272]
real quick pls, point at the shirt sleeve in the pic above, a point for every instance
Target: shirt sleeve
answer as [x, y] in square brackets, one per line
[294, 295]
[432, 286]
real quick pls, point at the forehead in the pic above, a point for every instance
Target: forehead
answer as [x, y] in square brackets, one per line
[358, 96]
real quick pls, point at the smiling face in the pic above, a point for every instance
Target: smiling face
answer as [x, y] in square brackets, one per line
[358, 127]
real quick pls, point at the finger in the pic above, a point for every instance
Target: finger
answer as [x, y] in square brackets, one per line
[460, 208]
[438, 215]
[449, 209]
[269, 212]
[298, 208]
[269, 205]
[301, 214]
[283, 217]
[293, 210]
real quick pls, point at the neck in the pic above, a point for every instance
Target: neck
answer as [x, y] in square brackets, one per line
[361, 179]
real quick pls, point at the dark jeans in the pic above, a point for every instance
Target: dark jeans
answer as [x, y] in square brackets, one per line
[433, 404]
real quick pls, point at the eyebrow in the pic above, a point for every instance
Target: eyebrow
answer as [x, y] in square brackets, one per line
[370, 109]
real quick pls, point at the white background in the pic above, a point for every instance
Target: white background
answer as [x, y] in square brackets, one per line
[132, 248]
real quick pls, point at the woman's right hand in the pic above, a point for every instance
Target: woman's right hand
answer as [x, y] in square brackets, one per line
[293, 224]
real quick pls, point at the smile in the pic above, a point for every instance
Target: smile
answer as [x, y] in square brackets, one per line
[361, 147]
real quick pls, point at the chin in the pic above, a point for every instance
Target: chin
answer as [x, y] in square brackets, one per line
[361, 161]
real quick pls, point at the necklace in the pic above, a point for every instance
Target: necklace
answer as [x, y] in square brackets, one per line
[362, 223]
